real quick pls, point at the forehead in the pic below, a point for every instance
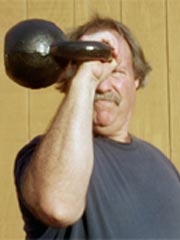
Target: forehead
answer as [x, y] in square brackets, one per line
[112, 37]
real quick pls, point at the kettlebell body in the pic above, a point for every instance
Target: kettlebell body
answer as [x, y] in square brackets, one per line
[27, 53]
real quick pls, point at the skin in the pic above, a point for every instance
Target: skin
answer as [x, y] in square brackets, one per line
[110, 119]
[55, 183]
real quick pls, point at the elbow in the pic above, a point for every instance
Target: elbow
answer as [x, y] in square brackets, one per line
[59, 214]
[52, 210]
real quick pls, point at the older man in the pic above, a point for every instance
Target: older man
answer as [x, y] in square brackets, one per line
[87, 177]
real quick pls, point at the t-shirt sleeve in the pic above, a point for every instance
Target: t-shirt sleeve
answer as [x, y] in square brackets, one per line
[32, 226]
[22, 160]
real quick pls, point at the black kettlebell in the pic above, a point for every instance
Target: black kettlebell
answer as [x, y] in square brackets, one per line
[36, 52]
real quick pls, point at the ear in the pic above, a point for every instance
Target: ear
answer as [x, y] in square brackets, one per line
[136, 82]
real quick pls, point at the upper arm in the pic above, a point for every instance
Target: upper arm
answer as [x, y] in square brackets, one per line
[22, 160]
[32, 226]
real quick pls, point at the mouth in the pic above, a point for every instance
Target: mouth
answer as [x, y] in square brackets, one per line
[111, 97]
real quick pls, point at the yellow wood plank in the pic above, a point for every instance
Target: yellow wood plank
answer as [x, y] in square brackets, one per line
[13, 127]
[147, 19]
[44, 102]
[85, 9]
[173, 19]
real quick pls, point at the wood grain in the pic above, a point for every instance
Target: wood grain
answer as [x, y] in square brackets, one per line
[27, 113]
[173, 38]
[13, 127]
[147, 19]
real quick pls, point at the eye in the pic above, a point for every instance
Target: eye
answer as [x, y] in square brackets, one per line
[117, 73]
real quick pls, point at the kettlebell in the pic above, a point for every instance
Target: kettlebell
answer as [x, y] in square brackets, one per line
[36, 52]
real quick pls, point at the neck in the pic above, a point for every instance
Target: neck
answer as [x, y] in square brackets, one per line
[122, 138]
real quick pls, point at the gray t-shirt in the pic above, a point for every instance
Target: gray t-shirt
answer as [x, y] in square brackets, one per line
[134, 193]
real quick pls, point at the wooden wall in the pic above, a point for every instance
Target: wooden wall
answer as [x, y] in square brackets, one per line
[26, 113]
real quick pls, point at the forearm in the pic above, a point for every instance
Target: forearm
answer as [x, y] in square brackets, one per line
[56, 181]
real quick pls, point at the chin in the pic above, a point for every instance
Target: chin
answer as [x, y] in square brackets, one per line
[104, 118]
[106, 131]
[104, 123]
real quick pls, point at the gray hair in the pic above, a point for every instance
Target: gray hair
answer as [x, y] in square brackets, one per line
[140, 65]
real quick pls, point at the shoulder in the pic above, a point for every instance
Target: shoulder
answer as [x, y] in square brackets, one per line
[148, 147]
[155, 155]
[23, 157]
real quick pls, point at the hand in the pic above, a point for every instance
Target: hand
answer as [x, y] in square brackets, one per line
[96, 71]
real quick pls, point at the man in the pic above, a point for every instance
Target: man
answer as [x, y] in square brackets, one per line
[87, 177]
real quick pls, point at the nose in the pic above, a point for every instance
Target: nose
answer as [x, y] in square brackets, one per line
[104, 86]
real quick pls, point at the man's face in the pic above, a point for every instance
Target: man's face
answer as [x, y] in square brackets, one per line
[115, 96]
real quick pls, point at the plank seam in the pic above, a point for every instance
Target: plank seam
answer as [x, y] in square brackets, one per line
[168, 82]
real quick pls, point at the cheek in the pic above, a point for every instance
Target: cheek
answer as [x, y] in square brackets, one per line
[126, 89]
[122, 85]
[118, 84]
